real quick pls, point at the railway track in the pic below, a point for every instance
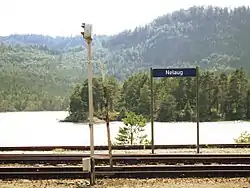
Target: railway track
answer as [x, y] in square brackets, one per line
[128, 147]
[126, 166]
[156, 171]
[126, 159]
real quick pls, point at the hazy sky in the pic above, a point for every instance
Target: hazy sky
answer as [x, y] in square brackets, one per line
[64, 17]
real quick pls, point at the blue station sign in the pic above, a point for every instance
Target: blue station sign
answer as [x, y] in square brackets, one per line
[174, 72]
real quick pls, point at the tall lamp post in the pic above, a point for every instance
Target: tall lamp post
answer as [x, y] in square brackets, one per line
[87, 35]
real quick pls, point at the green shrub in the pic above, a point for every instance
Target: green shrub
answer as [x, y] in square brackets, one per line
[243, 138]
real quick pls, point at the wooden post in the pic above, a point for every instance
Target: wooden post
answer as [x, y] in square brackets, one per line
[108, 127]
[92, 171]
[105, 85]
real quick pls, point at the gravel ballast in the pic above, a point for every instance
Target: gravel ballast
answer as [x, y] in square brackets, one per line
[128, 183]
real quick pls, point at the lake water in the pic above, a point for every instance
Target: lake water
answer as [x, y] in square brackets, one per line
[43, 128]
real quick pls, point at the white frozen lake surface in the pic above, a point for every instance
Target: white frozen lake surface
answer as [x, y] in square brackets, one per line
[43, 128]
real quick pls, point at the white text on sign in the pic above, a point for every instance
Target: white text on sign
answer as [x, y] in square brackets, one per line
[173, 72]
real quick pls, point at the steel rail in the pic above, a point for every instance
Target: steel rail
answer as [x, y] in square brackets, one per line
[128, 159]
[126, 147]
[62, 155]
[127, 171]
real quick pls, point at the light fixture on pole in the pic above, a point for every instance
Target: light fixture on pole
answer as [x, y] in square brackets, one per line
[87, 35]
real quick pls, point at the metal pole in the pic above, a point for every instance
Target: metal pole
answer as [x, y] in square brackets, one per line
[198, 109]
[91, 112]
[152, 110]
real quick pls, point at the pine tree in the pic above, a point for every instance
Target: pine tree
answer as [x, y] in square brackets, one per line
[132, 131]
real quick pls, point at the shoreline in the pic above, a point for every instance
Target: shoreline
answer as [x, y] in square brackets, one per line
[99, 121]
[61, 120]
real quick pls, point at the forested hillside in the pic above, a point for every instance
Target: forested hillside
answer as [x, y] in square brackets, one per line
[38, 72]
[209, 37]
[30, 79]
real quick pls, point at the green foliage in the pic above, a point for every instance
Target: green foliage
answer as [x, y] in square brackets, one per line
[132, 131]
[79, 106]
[30, 80]
[222, 97]
[244, 138]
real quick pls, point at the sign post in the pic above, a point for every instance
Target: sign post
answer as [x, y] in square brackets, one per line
[197, 108]
[152, 110]
[170, 73]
